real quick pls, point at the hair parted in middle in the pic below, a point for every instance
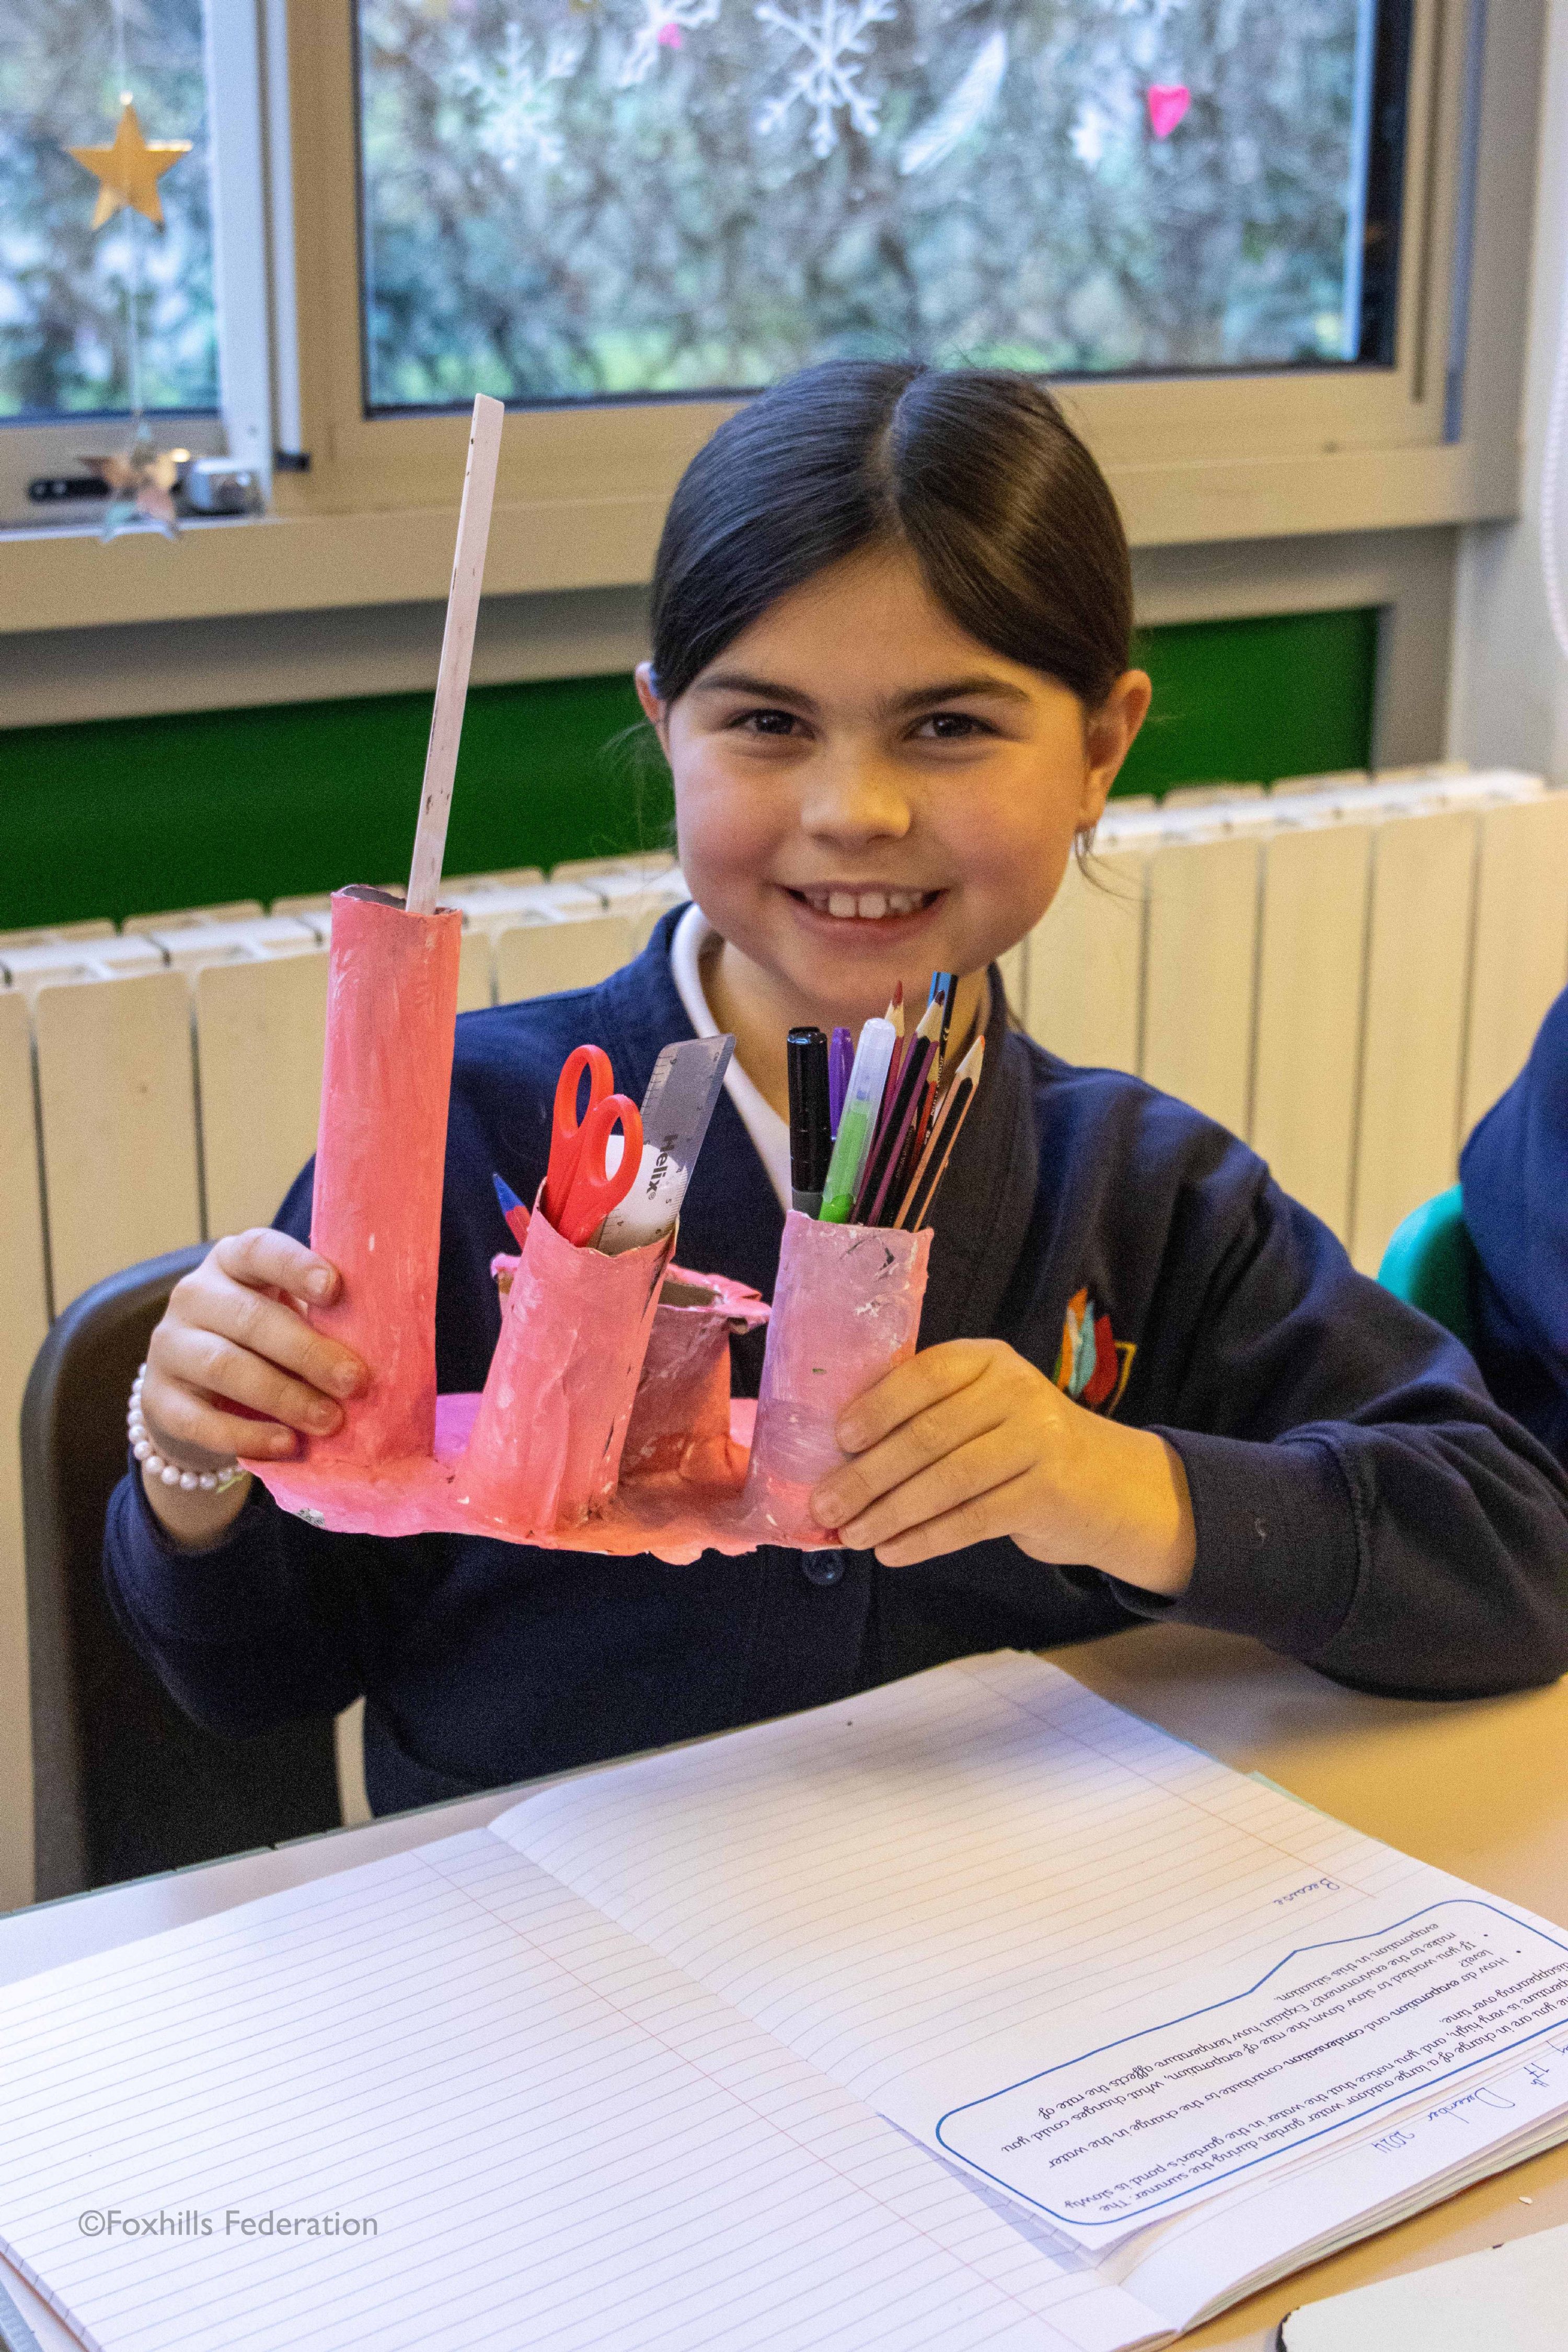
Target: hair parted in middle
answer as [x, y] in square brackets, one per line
[975, 470]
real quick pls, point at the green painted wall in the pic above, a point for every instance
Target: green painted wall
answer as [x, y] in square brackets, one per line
[1246, 702]
[124, 817]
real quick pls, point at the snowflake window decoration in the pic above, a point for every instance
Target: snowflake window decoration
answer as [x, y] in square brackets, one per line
[516, 99]
[834, 38]
[1091, 129]
[665, 25]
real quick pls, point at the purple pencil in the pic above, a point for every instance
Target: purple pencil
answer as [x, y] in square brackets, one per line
[840, 1062]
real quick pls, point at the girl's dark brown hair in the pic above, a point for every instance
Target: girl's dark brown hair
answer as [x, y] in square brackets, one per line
[975, 470]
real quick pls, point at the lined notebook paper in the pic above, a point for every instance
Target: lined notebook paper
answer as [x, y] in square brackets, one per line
[1034, 1930]
[606, 2075]
[560, 2141]
[912, 1878]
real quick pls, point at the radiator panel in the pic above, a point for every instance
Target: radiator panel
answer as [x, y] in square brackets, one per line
[1311, 978]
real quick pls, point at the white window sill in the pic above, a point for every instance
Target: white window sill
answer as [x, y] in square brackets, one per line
[61, 576]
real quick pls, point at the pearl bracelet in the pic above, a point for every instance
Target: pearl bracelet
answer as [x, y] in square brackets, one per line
[207, 1482]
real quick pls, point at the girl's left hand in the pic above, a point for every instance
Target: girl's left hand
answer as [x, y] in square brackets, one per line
[968, 1442]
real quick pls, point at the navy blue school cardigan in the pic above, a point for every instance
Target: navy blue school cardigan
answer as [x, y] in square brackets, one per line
[1360, 1501]
[1514, 1170]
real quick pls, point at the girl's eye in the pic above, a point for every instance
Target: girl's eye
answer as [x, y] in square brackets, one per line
[951, 727]
[765, 722]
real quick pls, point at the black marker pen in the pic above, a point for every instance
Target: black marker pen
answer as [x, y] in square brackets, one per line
[810, 1138]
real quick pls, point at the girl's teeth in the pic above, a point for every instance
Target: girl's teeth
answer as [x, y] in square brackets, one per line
[867, 906]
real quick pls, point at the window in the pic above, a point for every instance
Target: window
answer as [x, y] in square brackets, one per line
[1238, 231]
[197, 287]
[569, 200]
[66, 291]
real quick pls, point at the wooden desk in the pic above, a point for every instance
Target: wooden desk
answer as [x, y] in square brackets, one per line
[1479, 1788]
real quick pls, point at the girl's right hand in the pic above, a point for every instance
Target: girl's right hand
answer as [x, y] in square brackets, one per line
[225, 1340]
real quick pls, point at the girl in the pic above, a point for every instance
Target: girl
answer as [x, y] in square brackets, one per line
[891, 674]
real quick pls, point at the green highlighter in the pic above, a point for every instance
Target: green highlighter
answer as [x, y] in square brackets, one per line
[857, 1119]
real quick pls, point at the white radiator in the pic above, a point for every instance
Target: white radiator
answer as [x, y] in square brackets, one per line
[1346, 975]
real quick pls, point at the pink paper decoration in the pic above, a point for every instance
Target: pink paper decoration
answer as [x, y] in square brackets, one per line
[1168, 101]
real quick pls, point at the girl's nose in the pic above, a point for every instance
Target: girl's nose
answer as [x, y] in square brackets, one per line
[855, 799]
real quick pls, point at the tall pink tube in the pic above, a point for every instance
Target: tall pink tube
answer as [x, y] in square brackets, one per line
[392, 1003]
[846, 1309]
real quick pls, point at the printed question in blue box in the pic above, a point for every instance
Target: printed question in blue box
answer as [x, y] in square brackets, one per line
[1334, 2042]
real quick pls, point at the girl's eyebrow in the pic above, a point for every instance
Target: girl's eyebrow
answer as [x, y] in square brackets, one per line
[925, 697]
[766, 690]
[921, 698]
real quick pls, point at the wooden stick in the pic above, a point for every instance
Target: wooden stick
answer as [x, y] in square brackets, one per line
[456, 656]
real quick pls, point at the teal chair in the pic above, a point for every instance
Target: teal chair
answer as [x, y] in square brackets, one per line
[1430, 1263]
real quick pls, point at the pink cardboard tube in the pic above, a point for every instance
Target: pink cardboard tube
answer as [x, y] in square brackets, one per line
[680, 1419]
[392, 1003]
[547, 1438]
[846, 1309]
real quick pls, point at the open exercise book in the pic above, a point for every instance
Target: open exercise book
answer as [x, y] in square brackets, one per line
[972, 2011]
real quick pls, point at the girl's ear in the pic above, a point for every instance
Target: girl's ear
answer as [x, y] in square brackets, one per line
[655, 710]
[1108, 735]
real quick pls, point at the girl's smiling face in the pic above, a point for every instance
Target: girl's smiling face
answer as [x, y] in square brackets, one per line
[865, 794]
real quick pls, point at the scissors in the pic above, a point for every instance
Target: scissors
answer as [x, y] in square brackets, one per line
[579, 1188]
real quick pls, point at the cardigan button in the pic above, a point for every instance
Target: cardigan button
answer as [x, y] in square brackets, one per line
[822, 1567]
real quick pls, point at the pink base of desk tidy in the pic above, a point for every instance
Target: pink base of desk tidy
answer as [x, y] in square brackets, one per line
[606, 1424]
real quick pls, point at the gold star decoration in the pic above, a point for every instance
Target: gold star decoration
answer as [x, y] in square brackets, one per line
[128, 171]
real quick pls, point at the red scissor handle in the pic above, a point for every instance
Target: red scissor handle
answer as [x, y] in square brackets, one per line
[593, 1191]
[566, 1128]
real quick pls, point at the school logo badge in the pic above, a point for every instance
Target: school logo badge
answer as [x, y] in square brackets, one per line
[1092, 1363]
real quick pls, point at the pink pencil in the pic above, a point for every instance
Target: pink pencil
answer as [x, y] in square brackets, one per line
[904, 1104]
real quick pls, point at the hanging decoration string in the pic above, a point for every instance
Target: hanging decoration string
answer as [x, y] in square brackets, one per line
[141, 478]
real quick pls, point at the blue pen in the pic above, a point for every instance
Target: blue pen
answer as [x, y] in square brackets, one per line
[944, 984]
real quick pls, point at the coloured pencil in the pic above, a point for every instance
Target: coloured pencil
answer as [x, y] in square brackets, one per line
[933, 1161]
[840, 1062]
[895, 1014]
[896, 1120]
[511, 1209]
[909, 1153]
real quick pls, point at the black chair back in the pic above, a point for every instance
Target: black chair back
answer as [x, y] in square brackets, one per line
[124, 1783]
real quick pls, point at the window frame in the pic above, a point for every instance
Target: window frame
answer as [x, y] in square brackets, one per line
[583, 491]
[1174, 444]
[241, 425]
